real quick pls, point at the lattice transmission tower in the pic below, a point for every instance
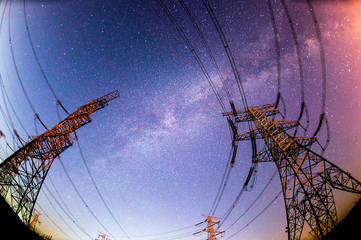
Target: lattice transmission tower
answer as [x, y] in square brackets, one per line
[23, 173]
[307, 178]
[102, 236]
[35, 219]
[212, 232]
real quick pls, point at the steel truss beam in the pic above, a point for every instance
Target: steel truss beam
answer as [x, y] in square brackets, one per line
[23, 173]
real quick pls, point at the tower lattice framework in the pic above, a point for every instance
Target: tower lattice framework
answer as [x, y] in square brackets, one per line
[23, 173]
[35, 219]
[212, 232]
[307, 178]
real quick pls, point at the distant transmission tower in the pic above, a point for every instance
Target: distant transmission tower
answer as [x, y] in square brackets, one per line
[307, 178]
[35, 219]
[102, 236]
[23, 173]
[210, 229]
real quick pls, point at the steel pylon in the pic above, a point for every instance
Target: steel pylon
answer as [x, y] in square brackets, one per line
[307, 178]
[212, 232]
[35, 219]
[23, 173]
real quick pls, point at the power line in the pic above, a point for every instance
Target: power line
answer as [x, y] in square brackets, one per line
[56, 225]
[323, 116]
[163, 233]
[257, 216]
[228, 168]
[322, 53]
[46, 196]
[193, 51]
[37, 59]
[300, 64]
[277, 45]
[4, 93]
[68, 212]
[223, 184]
[201, 36]
[228, 51]
[183, 235]
[37, 117]
[82, 199]
[250, 206]
[230, 209]
[97, 189]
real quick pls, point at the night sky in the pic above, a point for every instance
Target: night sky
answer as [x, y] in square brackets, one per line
[157, 154]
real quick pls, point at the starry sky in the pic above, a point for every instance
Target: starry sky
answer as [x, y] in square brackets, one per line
[157, 153]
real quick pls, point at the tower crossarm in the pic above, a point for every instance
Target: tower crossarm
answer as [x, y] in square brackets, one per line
[22, 173]
[246, 116]
[246, 110]
[56, 140]
[257, 132]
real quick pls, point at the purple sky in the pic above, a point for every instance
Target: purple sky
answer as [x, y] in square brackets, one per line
[157, 154]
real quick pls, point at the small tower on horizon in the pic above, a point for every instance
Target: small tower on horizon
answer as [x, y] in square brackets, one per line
[210, 229]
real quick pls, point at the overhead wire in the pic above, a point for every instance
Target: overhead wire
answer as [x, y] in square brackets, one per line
[98, 191]
[38, 61]
[82, 199]
[56, 225]
[66, 210]
[300, 66]
[58, 196]
[5, 94]
[206, 45]
[65, 222]
[222, 185]
[323, 115]
[278, 58]
[322, 53]
[183, 235]
[36, 115]
[194, 53]
[9, 122]
[8, 119]
[257, 216]
[7, 125]
[209, 52]
[237, 77]
[252, 204]
[228, 51]
[230, 209]
[277, 45]
[184, 37]
[163, 233]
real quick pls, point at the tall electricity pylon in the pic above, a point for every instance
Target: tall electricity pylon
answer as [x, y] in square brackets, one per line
[23, 173]
[307, 178]
[210, 229]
